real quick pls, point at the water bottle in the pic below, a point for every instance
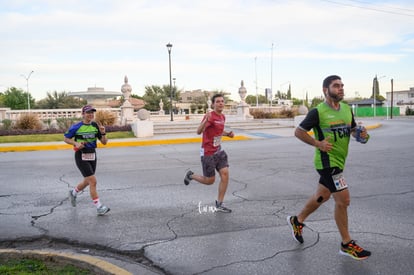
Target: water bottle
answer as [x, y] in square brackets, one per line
[358, 137]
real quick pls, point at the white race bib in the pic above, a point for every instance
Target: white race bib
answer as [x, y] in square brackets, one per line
[217, 141]
[88, 156]
[339, 181]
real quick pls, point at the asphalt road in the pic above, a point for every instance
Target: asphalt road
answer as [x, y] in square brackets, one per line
[159, 226]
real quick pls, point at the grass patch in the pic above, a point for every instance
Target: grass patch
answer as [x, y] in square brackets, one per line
[40, 267]
[56, 137]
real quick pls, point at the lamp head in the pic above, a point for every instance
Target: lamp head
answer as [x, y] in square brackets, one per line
[169, 46]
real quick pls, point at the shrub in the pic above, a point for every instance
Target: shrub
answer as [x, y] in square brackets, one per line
[105, 118]
[7, 124]
[64, 123]
[258, 114]
[284, 113]
[118, 128]
[409, 111]
[16, 132]
[28, 122]
[287, 113]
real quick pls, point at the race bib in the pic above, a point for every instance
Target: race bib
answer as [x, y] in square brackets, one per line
[217, 141]
[339, 181]
[88, 156]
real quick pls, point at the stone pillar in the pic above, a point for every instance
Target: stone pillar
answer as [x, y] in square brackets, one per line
[243, 109]
[143, 127]
[3, 113]
[209, 102]
[161, 112]
[127, 110]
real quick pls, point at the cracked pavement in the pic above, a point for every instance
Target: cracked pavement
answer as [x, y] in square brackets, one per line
[156, 225]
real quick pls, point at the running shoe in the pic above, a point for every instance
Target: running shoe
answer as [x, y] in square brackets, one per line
[296, 227]
[72, 198]
[102, 210]
[187, 177]
[354, 251]
[221, 208]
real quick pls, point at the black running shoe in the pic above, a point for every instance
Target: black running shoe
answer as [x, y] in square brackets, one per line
[187, 177]
[296, 227]
[354, 251]
[221, 208]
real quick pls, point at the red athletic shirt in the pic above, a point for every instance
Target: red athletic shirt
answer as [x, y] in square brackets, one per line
[212, 134]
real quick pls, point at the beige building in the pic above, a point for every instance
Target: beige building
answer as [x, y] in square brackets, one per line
[403, 99]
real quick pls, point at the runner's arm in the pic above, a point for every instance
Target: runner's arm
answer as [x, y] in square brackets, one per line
[203, 124]
[323, 145]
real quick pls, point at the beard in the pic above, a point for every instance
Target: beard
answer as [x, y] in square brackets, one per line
[335, 97]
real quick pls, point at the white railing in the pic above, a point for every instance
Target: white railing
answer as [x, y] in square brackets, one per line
[53, 114]
[49, 114]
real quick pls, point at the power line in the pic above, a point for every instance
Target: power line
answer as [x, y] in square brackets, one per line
[375, 8]
[387, 6]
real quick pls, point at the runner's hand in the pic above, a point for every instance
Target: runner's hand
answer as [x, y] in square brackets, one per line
[79, 145]
[325, 145]
[207, 117]
[101, 128]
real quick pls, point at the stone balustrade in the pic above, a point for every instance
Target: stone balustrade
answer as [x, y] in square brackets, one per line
[49, 114]
[52, 114]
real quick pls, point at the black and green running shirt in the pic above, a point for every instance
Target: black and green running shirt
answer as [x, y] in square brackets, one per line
[85, 133]
[336, 124]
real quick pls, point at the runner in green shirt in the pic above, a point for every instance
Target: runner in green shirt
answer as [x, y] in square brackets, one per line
[333, 123]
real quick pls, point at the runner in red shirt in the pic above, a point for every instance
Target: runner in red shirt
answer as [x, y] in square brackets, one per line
[212, 156]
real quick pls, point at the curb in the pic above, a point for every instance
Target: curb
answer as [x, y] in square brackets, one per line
[83, 261]
[129, 143]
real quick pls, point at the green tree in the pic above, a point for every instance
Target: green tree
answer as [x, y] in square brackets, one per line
[251, 99]
[16, 99]
[297, 101]
[316, 101]
[2, 100]
[376, 90]
[289, 93]
[135, 96]
[153, 95]
[60, 100]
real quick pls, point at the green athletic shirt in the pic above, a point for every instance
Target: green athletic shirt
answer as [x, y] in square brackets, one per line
[85, 133]
[337, 124]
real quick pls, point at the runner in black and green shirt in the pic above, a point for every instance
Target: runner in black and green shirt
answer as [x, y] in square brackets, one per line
[332, 123]
[83, 137]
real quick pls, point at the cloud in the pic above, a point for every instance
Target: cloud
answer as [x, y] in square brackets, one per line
[75, 43]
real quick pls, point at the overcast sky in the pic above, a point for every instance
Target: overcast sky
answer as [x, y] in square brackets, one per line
[75, 44]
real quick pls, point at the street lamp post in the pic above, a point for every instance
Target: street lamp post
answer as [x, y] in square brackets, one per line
[169, 46]
[27, 88]
[392, 94]
[174, 93]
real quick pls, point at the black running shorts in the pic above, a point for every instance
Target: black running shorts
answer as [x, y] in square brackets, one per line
[214, 162]
[327, 180]
[87, 168]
